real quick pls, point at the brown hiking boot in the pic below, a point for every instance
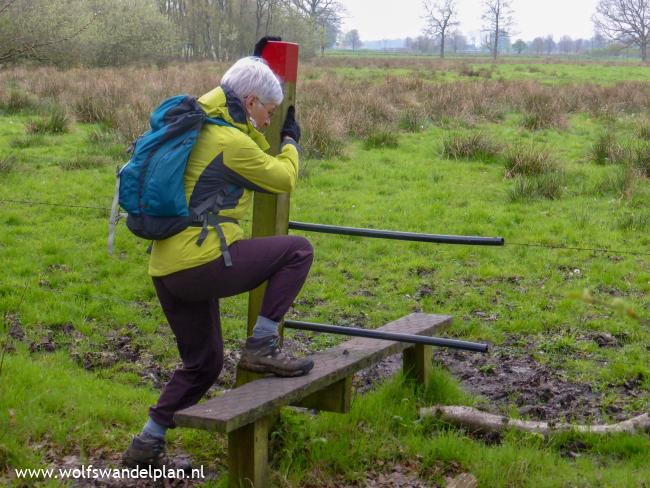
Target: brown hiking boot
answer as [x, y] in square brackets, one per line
[263, 355]
[145, 451]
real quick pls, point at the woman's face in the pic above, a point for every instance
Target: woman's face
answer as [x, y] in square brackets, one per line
[259, 113]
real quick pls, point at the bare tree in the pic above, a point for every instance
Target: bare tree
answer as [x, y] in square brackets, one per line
[321, 13]
[498, 22]
[26, 38]
[440, 15]
[625, 21]
[538, 45]
[352, 39]
[565, 44]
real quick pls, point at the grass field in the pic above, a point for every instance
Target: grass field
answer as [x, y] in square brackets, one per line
[555, 158]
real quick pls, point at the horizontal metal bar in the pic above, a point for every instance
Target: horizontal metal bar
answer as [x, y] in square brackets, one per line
[389, 336]
[402, 236]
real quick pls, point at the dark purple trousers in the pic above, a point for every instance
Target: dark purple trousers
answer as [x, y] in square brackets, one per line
[190, 300]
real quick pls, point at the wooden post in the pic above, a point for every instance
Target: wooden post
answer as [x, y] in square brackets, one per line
[418, 363]
[248, 455]
[271, 212]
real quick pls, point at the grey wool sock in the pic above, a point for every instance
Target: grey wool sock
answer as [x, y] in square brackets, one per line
[154, 429]
[265, 327]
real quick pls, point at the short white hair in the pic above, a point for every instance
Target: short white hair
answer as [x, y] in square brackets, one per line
[252, 76]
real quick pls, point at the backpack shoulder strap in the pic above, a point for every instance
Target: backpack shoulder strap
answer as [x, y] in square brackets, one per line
[218, 121]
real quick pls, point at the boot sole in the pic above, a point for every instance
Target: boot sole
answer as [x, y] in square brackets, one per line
[276, 371]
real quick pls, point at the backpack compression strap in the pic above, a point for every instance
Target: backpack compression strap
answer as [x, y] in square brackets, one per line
[214, 220]
[112, 222]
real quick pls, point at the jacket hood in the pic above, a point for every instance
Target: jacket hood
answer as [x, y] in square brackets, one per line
[225, 105]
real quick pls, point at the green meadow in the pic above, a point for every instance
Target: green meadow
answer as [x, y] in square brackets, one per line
[565, 183]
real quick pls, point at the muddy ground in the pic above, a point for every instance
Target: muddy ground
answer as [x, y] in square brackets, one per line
[509, 375]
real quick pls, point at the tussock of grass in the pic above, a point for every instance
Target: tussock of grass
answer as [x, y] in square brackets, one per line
[528, 160]
[641, 158]
[542, 110]
[412, 120]
[382, 139]
[476, 145]
[85, 161]
[102, 137]
[549, 186]
[16, 99]
[643, 130]
[634, 221]
[7, 163]
[324, 135]
[606, 150]
[24, 142]
[58, 122]
[622, 183]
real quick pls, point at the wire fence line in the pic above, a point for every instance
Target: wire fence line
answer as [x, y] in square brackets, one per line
[139, 303]
[521, 244]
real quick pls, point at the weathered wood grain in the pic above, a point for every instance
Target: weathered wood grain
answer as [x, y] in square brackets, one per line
[254, 400]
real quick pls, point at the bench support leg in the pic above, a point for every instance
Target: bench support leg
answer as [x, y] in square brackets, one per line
[418, 364]
[248, 452]
[335, 398]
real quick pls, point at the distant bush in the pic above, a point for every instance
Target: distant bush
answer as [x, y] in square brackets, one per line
[7, 163]
[470, 146]
[58, 122]
[607, 151]
[381, 138]
[528, 160]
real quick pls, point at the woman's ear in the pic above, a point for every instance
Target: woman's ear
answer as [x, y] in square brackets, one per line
[249, 101]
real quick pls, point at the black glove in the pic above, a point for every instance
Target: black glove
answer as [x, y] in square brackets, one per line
[291, 127]
[259, 47]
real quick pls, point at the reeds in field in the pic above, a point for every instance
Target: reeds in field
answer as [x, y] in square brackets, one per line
[643, 129]
[641, 158]
[384, 138]
[549, 186]
[542, 110]
[58, 121]
[14, 99]
[528, 160]
[475, 145]
[330, 106]
[84, 161]
[623, 183]
[607, 150]
[8, 163]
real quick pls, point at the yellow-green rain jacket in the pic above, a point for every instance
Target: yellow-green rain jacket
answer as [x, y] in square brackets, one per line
[230, 162]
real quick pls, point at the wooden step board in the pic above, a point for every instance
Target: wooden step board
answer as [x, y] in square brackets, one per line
[259, 398]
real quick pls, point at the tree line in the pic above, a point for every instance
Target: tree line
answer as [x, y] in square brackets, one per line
[116, 32]
[626, 23]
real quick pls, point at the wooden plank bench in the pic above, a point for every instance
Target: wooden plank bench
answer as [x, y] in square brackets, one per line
[246, 413]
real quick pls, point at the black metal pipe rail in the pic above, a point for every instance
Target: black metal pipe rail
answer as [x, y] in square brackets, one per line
[402, 236]
[389, 336]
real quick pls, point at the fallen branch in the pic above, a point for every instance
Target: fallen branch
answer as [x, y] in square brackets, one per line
[486, 422]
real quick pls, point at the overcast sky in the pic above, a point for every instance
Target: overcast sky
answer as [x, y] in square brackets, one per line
[392, 19]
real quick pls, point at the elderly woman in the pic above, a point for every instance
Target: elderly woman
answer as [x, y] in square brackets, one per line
[228, 161]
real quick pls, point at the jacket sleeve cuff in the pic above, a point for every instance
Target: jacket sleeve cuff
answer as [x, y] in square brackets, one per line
[288, 140]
